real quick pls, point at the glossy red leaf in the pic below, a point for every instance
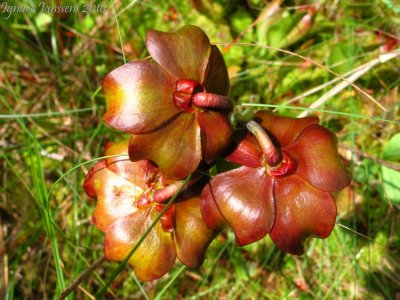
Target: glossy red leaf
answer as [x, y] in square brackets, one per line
[284, 129]
[319, 163]
[241, 198]
[247, 151]
[216, 132]
[301, 211]
[217, 78]
[184, 53]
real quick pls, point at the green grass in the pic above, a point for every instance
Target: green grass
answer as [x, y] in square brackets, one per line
[51, 132]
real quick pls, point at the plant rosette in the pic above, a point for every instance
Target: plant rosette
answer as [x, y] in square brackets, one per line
[289, 167]
[173, 103]
[130, 196]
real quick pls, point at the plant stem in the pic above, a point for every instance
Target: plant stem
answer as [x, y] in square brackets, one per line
[272, 154]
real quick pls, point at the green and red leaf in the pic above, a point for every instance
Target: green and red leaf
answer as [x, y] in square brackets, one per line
[156, 254]
[138, 96]
[138, 172]
[192, 237]
[175, 148]
[115, 195]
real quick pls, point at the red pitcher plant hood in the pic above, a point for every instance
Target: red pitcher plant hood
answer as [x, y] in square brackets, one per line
[130, 196]
[289, 167]
[173, 103]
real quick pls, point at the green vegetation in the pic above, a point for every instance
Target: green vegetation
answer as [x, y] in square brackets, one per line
[287, 59]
